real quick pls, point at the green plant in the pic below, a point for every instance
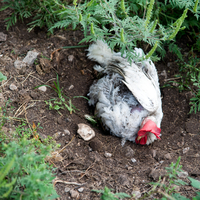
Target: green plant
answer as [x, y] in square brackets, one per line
[122, 24]
[2, 77]
[108, 195]
[60, 102]
[30, 176]
[5, 187]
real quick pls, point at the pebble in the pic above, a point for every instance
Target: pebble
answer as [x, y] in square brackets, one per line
[3, 37]
[107, 155]
[30, 57]
[74, 194]
[70, 87]
[67, 132]
[185, 150]
[136, 194]
[183, 174]
[67, 189]
[1, 96]
[167, 156]
[34, 95]
[43, 88]
[164, 73]
[59, 120]
[85, 132]
[133, 160]
[81, 189]
[129, 151]
[153, 152]
[18, 64]
[13, 86]
[70, 58]
[56, 135]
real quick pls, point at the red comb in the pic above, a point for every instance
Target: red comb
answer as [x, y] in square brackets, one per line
[149, 126]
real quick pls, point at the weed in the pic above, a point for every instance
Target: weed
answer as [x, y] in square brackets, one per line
[2, 77]
[62, 101]
[91, 119]
[25, 173]
[164, 187]
[108, 195]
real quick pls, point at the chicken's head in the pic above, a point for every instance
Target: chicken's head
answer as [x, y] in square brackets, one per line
[148, 126]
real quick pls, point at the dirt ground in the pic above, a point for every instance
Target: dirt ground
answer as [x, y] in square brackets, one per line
[85, 162]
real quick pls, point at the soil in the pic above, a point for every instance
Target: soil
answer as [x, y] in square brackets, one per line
[131, 167]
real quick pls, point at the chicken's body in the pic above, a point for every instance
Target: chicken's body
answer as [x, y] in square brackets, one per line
[126, 96]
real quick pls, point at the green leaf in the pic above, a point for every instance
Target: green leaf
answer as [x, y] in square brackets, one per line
[194, 183]
[2, 77]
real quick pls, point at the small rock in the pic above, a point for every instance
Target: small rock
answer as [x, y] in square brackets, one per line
[96, 145]
[59, 120]
[175, 84]
[85, 132]
[3, 37]
[183, 174]
[107, 155]
[129, 151]
[67, 189]
[70, 87]
[153, 152]
[67, 132]
[185, 150]
[43, 88]
[133, 160]
[136, 194]
[13, 86]
[30, 57]
[155, 174]
[81, 189]
[74, 194]
[34, 95]
[176, 187]
[167, 156]
[123, 179]
[1, 96]
[18, 64]
[70, 58]
[57, 135]
[164, 73]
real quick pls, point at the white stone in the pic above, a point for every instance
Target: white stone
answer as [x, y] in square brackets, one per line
[136, 194]
[13, 86]
[185, 150]
[183, 174]
[74, 194]
[67, 189]
[18, 64]
[67, 132]
[30, 57]
[85, 132]
[81, 189]
[133, 160]
[107, 155]
[70, 58]
[43, 88]
[70, 87]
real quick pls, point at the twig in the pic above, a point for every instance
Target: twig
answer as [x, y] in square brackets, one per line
[66, 145]
[68, 183]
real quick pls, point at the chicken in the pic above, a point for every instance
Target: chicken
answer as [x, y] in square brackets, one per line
[127, 97]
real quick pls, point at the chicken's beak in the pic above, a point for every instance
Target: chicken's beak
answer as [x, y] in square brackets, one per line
[140, 137]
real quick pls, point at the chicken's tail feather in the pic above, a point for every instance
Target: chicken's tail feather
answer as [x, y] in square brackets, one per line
[100, 52]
